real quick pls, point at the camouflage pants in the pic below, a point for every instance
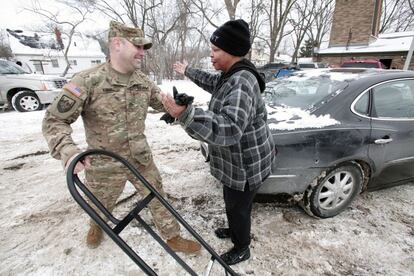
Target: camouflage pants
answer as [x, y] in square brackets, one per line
[106, 179]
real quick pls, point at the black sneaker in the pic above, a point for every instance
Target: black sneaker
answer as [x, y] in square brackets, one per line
[222, 233]
[235, 256]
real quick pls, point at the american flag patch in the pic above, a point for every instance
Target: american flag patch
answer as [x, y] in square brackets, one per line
[72, 88]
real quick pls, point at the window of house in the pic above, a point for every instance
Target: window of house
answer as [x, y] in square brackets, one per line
[73, 62]
[95, 61]
[38, 67]
[55, 63]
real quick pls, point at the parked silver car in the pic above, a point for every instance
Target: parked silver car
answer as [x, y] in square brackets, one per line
[26, 92]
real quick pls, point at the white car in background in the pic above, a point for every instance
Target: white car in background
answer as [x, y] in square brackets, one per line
[26, 92]
[311, 65]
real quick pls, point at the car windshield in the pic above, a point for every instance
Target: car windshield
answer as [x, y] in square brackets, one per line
[306, 90]
[7, 67]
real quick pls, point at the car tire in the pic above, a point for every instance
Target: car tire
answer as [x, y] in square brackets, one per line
[25, 101]
[335, 191]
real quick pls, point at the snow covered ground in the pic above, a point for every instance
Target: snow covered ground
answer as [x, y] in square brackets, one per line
[43, 229]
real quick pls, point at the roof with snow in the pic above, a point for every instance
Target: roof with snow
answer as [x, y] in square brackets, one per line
[283, 58]
[45, 44]
[391, 42]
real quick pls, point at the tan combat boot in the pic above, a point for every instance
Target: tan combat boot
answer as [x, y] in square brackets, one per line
[179, 244]
[94, 237]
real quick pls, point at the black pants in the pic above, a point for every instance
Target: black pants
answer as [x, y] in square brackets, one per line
[238, 209]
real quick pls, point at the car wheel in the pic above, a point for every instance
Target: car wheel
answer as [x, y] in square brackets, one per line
[335, 191]
[24, 101]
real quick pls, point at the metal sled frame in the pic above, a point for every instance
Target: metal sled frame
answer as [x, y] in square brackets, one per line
[74, 183]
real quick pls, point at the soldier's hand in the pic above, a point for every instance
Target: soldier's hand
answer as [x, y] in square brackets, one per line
[180, 67]
[80, 166]
[171, 107]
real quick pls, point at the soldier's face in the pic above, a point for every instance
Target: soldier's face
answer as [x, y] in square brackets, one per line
[132, 55]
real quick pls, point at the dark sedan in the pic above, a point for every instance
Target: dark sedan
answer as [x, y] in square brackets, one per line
[339, 132]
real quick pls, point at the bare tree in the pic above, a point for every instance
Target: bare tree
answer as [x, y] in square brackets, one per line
[397, 16]
[136, 11]
[301, 19]
[5, 51]
[102, 38]
[213, 10]
[80, 9]
[161, 29]
[183, 26]
[411, 5]
[209, 11]
[277, 15]
[109, 9]
[256, 10]
[323, 13]
[231, 6]
[192, 37]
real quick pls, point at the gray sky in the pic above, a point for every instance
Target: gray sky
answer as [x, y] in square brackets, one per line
[13, 15]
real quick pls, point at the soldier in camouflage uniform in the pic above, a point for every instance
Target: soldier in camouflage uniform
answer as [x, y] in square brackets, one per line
[113, 99]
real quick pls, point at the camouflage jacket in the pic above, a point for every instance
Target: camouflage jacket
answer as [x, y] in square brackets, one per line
[113, 113]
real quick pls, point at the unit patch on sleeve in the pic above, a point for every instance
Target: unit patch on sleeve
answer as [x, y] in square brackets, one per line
[65, 104]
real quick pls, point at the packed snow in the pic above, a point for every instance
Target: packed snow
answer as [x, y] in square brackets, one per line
[43, 229]
[290, 118]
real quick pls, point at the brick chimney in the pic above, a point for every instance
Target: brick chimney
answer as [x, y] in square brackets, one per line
[355, 22]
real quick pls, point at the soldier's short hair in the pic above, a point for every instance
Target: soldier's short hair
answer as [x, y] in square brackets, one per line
[134, 35]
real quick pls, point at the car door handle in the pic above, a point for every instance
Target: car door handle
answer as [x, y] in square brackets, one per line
[383, 141]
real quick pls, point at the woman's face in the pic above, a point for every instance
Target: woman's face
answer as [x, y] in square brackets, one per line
[220, 59]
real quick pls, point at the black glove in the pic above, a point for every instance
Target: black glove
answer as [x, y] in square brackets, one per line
[180, 99]
[167, 118]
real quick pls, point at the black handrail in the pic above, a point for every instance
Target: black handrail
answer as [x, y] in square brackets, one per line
[73, 181]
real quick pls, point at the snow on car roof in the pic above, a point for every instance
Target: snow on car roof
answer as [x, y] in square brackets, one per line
[333, 74]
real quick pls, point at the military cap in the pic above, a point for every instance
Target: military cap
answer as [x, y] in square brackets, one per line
[134, 35]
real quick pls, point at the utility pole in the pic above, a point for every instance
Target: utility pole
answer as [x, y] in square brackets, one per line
[409, 55]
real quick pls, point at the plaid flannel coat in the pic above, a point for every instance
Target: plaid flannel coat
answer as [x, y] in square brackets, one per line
[240, 143]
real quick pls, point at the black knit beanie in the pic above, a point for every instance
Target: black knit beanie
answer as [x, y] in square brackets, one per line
[232, 37]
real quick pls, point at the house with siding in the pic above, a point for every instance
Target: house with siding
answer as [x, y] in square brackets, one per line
[42, 53]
